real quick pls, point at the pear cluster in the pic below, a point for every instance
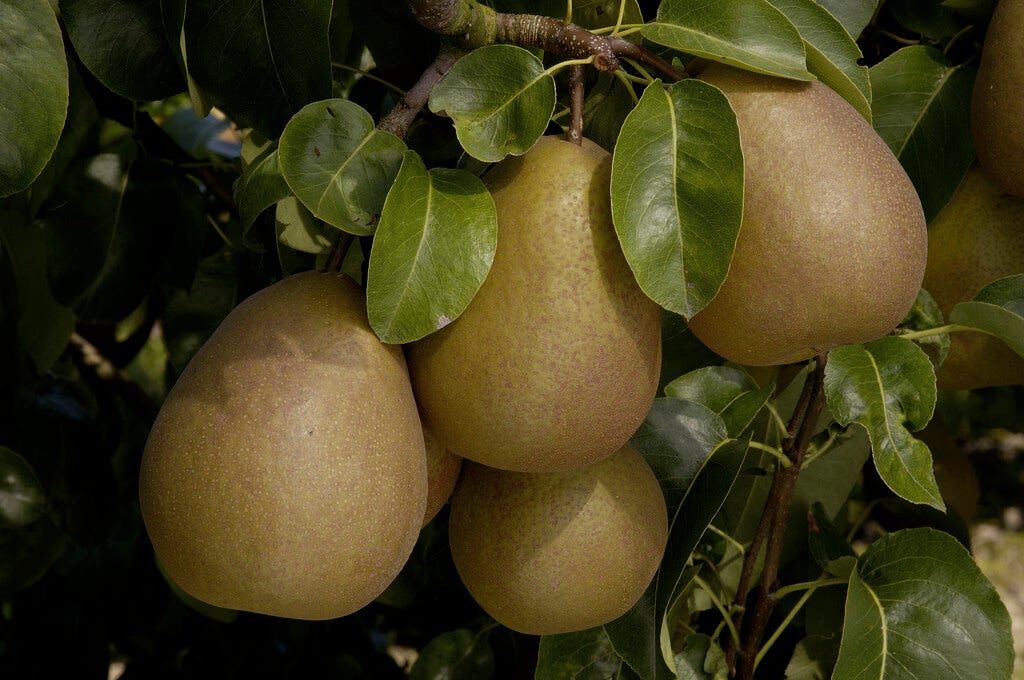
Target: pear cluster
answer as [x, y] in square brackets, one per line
[297, 457]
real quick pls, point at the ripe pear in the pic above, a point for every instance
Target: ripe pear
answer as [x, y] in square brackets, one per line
[831, 249]
[286, 471]
[997, 107]
[443, 469]
[978, 237]
[555, 362]
[556, 552]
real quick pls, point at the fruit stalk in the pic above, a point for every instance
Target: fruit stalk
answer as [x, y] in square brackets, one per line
[772, 526]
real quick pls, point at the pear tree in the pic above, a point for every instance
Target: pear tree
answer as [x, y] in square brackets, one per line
[507, 339]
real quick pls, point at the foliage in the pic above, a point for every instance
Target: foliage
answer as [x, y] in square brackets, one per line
[161, 160]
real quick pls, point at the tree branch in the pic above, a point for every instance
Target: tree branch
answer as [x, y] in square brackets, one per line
[577, 80]
[400, 118]
[771, 528]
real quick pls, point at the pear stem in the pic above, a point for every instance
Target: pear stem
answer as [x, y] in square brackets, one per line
[741, 659]
[577, 80]
[339, 249]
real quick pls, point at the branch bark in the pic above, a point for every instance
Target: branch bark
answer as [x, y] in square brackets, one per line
[400, 118]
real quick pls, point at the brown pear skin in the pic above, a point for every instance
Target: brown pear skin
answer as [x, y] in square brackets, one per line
[286, 473]
[555, 362]
[558, 552]
[832, 246]
[997, 107]
[443, 469]
[978, 237]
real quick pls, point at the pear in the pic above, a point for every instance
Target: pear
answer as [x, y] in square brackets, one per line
[976, 239]
[286, 473]
[997, 107]
[443, 469]
[556, 552]
[555, 362]
[954, 472]
[832, 246]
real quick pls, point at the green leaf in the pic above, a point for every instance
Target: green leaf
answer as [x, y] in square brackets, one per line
[919, 607]
[888, 386]
[22, 500]
[750, 34]
[455, 655]
[338, 164]
[608, 103]
[690, 661]
[634, 637]
[112, 226]
[260, 186]
[997, 309]
[298, 229]
[261, 61]
[727, 391]
[34, 83]
[594, 14]
[923, 315]
[921, 108]
[123, 43]
[585, 655]
[500, 99]
[813, 659]
[44, 325]
[432, 250]
[677, 192]
[854, 15]
[832, 53]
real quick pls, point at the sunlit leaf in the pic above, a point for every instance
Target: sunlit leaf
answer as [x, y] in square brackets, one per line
[586, 655]
[921, 107]
[500, 99]
[919, 607]
[750, 34]
[34, 83]
[727, 391]
[677, 193]
[431, 252]
[338, 164]
[888, 387]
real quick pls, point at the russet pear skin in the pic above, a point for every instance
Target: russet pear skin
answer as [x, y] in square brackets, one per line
[443, 469]
[997, 107]
[832, 246]
[286, 473]
[978, 237]
[547, 553]
[555, 362]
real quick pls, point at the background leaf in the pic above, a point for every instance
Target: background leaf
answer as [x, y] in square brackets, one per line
[925, 314]
[260, 186]
[888, 386]
[431, 252]
[34, 82]
[338, 164]
[677, 193]
[921, 108]
[997, 309]
[44, 325]
[750, 34]
[594, 14]
[500, 99]
[727, 391]
[260, 60]
[123, 43]
[585, 655]
[459, 654]
[854, 15]
[897, 629]
[832, 53]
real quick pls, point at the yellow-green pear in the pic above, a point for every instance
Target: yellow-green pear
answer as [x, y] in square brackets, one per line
[443, 469]
[997, 104]
[555, 362]
[978, 237]
[286, 472]
[556, 552]
[832, 246]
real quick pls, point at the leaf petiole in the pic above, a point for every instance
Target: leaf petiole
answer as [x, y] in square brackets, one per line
[938, 330]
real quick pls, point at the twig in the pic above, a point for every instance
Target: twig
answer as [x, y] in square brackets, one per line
[400, 118]
[88, 357]
[630, 50]
[577, 80]
[771, 529]
[339, 249]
